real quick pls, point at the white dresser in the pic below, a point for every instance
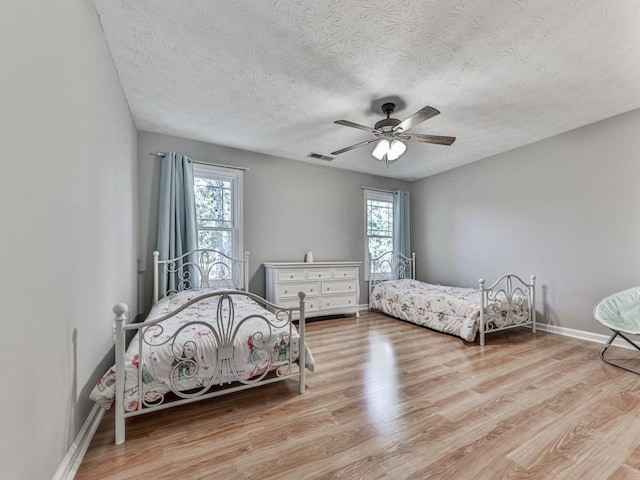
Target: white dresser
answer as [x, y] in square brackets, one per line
[331, 288]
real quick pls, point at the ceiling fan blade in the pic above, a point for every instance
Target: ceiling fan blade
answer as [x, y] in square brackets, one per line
[420, 116]
[346, 149]
[347, 123]
[440, 140]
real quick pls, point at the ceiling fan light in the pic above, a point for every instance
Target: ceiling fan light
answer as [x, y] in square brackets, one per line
[396, 148]
[381, 149]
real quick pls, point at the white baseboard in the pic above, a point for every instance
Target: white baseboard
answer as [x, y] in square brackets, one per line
[582, 335]
[570, 332]
[72, 460]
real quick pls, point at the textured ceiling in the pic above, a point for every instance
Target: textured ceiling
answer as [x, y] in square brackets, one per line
[271, 76]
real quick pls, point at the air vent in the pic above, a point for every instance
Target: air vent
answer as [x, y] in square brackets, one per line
[320, 157]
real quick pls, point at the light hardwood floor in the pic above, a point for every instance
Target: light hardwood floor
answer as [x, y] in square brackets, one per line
[392, 400]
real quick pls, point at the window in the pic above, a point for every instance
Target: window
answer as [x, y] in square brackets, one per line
[378, 225]
[218, 198]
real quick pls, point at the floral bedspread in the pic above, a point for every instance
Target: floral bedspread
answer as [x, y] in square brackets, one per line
[446, 309]
[179, 354]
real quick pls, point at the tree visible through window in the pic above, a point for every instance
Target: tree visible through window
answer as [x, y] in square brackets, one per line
[379, 225]
[218, 196]
[214, 214]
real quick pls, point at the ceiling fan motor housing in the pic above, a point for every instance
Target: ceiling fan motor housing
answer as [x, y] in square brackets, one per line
[387, 124]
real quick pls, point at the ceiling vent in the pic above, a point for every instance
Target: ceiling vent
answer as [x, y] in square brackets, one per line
[320, 157]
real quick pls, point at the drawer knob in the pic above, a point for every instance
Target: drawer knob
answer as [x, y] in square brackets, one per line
[328, 289]
[344, 274]
[290, 276]
[328, 304]
[286, 291]
[311, 289]
[349, 302]
[349, 287]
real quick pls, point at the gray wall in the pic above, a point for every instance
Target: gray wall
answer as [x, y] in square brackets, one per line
[289, 207]
[67, 198]
[565, 209]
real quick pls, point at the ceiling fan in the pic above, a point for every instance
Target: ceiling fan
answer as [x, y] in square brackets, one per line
[391, 134]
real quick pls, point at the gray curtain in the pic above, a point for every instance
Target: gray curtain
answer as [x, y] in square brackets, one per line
[177, 232]
[401, 223]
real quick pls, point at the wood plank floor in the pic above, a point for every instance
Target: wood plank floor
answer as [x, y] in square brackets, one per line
[396, 401]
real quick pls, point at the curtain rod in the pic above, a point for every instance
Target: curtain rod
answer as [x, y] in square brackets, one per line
[377, 190]
[160, 154]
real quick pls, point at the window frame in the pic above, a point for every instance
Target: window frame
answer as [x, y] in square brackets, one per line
[381, 196]
[214, 172]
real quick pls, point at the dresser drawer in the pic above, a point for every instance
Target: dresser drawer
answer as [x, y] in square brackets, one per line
[339, 273]
[346, 286]
[319, 273]
[310, 304]
[292, 275]
[287, 290]
[338, 301]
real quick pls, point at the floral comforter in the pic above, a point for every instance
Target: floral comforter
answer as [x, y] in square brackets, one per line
[180, 353]
[451, 310]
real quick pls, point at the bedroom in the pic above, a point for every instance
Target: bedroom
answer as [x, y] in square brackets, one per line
[568, 201]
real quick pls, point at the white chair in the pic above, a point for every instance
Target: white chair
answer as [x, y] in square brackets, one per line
[620, 312]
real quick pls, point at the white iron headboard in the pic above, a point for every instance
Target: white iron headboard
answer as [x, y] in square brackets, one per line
[199, 268]
[391, 265]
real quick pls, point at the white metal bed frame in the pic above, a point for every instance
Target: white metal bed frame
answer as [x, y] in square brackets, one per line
[227, 328]
[508, 288]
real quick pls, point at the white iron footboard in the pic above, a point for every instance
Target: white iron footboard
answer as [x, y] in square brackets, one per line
[390, 265]
[224, 329]
[509, 291]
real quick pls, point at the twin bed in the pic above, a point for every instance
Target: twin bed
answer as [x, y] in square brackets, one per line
[205, 336]
[465, 312]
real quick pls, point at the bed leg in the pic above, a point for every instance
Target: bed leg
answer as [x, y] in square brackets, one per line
[119, 424]
[302, 386]
[532, 306]
[482, 309]
[301, 343]
[121, 311]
